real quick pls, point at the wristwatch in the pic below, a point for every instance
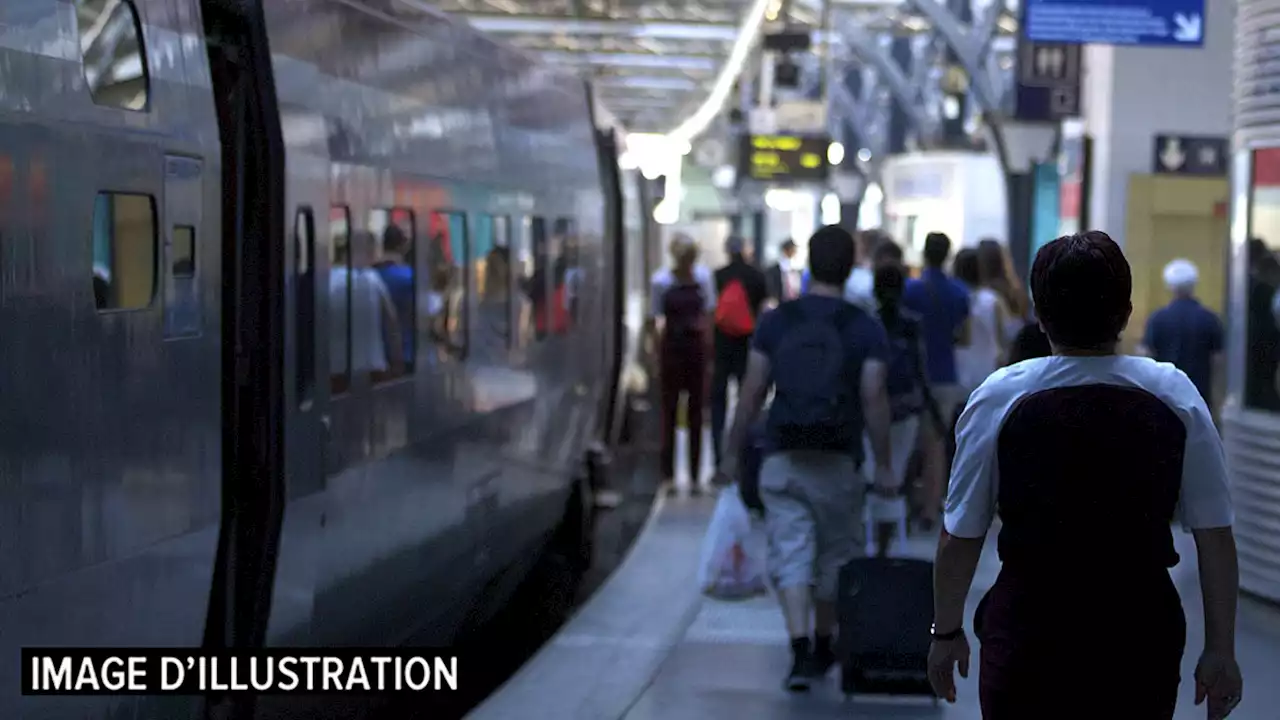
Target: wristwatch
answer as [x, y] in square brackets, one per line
[946, 636]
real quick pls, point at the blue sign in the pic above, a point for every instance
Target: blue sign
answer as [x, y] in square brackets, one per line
[1178, 23]
[1048, 82]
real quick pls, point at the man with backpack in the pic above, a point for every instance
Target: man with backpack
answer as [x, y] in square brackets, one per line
[826, 360]
[741, 293]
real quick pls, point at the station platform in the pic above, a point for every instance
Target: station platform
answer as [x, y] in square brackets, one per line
[649, 646]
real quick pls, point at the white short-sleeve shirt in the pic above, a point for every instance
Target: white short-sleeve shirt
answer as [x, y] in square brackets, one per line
[1204, 501]
[663, 279]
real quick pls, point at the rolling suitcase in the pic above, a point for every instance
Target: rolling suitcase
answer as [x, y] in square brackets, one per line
[885, 609]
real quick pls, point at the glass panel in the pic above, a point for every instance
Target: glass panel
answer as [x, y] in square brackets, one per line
[340, 273]
[182, 254]
[115, 62]
[1263, 285]
[124, 251]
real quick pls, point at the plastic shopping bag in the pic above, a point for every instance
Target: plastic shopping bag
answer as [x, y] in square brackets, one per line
[733, 562]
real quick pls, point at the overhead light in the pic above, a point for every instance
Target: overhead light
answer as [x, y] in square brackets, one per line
[830, 209]
[627, 161]
[835, 153]
[780, 199]
[724, 177]
[666, 213]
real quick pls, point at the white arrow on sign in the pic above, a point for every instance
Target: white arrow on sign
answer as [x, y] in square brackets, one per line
[1190, 27]
[1172, 157]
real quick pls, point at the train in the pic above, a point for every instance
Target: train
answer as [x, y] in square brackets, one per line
[316, 318]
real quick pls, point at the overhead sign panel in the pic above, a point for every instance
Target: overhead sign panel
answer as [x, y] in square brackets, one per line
[1048, 88]
[791, 158]
[1115, 22]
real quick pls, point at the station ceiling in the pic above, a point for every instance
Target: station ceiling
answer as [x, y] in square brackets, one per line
[652, 63]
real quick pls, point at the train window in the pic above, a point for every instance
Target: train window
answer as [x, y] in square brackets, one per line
[1262, 312]
[111, 49]
[491, 278]
[304, 249]
[182, 253]
[393, 242]
[339, 294]
[124, 251]
[448, 258]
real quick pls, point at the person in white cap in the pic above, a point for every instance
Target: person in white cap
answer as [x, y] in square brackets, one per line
[1186, 333]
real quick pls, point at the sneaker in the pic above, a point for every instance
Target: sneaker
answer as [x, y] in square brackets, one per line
[800, 677]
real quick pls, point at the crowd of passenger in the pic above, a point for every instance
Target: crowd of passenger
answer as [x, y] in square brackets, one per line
[951, 396]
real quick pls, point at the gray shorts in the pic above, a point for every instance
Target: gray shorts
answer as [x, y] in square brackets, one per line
[813, 516]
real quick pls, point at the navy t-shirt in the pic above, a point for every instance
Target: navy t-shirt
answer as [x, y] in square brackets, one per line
[943, 306]
[1187, 334]
[866, 337]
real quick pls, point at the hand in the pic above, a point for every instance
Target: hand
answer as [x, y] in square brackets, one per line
[886, 483]
[944, 656]
[1218, 680]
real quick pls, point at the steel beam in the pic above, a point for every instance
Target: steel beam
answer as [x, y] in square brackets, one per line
[971, 47]
[868, 49]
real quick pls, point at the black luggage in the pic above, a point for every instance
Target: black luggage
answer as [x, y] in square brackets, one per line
[885, 610]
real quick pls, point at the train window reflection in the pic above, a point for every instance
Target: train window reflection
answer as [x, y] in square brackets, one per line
[448, 258]
[182, 252]
[393, 232]
[491, 278]
[304, 248]
[538, 285]
[1262, 358]
[124, 251]
[567, 283]
[115, 61]
[339, 299]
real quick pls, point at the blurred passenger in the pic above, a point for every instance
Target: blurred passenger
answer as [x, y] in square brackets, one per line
[1029, 343]
[826, 360]
[784, 278]
[909, 397]
[740, 298]
[397, 275]
[859, 289]
[683, 303]
[1087, 457]
[979, 357]
[997, 272]
[943, 305]
[374, 330]
[1262, 364]
[888, 252]
[1186, 333]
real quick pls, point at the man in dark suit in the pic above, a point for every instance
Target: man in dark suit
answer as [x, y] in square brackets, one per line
[783, 280]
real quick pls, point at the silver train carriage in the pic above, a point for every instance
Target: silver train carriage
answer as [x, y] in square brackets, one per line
[313, 310]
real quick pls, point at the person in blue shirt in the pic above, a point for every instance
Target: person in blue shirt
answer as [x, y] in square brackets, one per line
[397, 274]
[942, 303]
[1186, 333]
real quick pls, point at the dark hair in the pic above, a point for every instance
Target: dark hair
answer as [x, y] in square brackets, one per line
[965, 268]
[788, 244]
[831, 255]
[937, 246]
[887, 252]
[393, 239]
[995, 271]
[1083, 289]
[890, 281]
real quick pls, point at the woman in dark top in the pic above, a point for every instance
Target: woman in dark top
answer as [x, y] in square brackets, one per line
[684, 350]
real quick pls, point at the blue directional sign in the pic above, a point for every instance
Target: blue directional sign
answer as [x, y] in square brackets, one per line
[1178, 23]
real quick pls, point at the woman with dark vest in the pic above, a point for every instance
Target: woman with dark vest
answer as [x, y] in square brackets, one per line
[1087, 457]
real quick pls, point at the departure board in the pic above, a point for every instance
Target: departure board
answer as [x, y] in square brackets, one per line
[795, 158]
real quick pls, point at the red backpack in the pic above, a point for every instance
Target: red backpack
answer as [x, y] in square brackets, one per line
[733, 311]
